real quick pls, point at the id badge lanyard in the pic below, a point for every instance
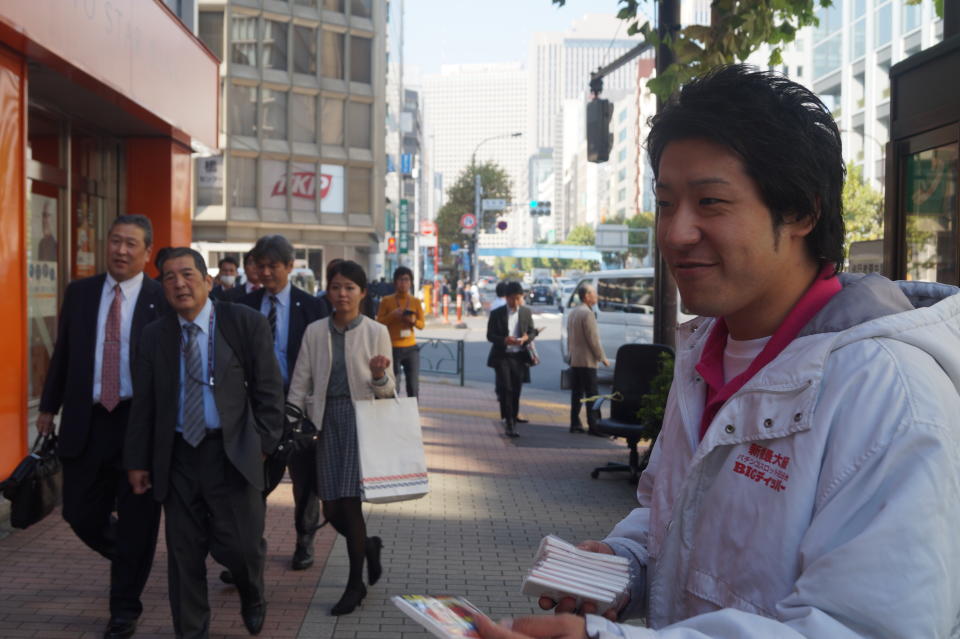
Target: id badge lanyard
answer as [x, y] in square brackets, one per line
[210, 358]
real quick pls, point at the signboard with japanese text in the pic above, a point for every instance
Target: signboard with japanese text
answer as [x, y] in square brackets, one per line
[404, 226]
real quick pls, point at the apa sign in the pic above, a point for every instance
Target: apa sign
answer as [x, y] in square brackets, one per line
[303, 184]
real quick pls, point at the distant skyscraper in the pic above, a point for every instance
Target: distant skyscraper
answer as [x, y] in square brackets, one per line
[467, 104]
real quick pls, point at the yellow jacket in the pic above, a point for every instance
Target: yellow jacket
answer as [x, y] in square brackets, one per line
[397, 324]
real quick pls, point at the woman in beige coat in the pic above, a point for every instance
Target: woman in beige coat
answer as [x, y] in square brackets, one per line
[343, 358]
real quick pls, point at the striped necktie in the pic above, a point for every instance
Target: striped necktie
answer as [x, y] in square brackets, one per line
[110, 365]
[194, 421]
[272, 317]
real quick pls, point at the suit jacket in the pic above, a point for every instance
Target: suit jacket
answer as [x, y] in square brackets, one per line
[498, 331]
[304, 309]
[69, 381]
[583, 340]
[226, 294]
[251, 416]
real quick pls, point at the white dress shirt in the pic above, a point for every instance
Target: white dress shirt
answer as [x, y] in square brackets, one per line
[131, 291]
[513, 326]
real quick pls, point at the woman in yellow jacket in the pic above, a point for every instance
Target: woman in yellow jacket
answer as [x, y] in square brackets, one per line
[402, 312]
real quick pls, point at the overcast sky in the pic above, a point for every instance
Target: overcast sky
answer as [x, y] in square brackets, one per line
[472, 31]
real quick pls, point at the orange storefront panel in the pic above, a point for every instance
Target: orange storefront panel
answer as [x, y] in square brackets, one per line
[134, 47]
[13, 356]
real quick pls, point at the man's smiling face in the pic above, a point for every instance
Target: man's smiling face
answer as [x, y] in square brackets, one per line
[717, 237]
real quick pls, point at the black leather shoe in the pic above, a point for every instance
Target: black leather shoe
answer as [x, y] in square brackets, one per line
[511, 430]
[520, 420]
[120, 628]
[302, 556]
[374, 568]
[253, 617]
[227, 577]
[352, 597]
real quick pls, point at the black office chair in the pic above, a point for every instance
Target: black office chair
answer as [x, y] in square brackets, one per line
[635, 368]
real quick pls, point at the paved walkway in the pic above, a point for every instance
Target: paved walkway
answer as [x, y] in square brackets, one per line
[491, 501]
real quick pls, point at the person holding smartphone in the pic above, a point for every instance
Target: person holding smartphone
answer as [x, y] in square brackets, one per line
[402, 312]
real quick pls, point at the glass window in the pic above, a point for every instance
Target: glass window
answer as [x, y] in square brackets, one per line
[303, 186]
[331, 121]
[303, 125]
[243, 181]
[243, 40]
[883, 29]
[243, 110]
[210, 181]
[611, 297]
[859, 9]
[911, 16]
[622, 155]
[210, 31]
[930, 197]
[858, 43]
[621, 195]
[622, 116]
[831, 19]
[307, 3]
[331, 58]
[358, 189]
[276, 183]
[826, 57]
[359, 121]
[333, 5]
[275, 45]
[622, 135]
[361, 8]
[304, 50]
[361, 51]
[274, 113]
[638, 294]
[622, 174]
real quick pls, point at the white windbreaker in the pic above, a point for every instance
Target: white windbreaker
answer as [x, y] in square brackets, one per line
[824, 501]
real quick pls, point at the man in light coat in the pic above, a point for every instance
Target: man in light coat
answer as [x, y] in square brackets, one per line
[583, 342]
[806, 482]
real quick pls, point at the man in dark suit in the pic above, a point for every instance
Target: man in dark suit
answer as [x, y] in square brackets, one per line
[288, 311]
[207, 409]
[227, 278]
[251, 284]
[90, 379]
[509, 328]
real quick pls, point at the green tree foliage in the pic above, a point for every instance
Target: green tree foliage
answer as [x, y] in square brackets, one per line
[496, 184]
[862, 208]
[583, 235]
[645, 220]
[737, 30]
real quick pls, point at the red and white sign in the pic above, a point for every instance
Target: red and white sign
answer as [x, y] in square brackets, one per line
[302, 181]
[468, 221]
[428, 227]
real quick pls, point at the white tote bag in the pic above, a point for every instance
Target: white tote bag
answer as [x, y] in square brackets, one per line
[392, 464]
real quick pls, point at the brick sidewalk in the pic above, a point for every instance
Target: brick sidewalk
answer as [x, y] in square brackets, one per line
[491, 502]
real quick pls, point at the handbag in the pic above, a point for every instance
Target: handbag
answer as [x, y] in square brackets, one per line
[298, 434]
[566, 379]
[531, 356]
[35, 487]
[393, 466]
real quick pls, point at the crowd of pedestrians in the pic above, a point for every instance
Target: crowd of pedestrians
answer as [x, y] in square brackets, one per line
[172, 395]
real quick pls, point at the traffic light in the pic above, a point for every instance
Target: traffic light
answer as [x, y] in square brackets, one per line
[599, 138]
[539, 208]
[391, 245]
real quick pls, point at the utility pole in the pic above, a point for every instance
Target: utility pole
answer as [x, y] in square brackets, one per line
[399, 167]
[665, 288]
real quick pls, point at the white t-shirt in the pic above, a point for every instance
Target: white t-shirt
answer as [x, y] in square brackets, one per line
[739, 354]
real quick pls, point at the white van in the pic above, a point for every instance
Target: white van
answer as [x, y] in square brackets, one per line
[624, 311]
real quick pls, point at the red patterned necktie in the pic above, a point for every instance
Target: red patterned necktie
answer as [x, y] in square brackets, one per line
[110, 371]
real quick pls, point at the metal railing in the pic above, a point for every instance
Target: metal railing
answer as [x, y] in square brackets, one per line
[441, 357]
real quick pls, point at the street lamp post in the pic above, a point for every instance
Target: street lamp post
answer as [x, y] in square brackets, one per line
[474, 273]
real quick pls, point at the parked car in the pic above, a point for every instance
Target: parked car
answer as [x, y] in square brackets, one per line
[624, 311]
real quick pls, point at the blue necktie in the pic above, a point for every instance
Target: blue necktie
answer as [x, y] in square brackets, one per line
[194, 422]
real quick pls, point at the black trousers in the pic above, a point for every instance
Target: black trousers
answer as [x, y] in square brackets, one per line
[94, 485]
[211, 508]
[509, 372]
[583, 383]
[302, 465]
[408, 357]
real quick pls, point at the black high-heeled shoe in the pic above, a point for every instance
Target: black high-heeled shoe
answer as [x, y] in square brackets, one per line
[349, 601]
[374, 567]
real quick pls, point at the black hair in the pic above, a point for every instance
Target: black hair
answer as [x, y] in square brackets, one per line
[785, 137]
[273, 248]
[249, 257]
[512, 288]
[332, 263]
[229, 259]
[501, 287]
[160, 257]
[185, 251]
[350, 270]
[137, 220]
[400, 272]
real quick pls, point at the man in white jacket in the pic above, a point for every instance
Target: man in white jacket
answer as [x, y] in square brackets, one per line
[806, 482]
